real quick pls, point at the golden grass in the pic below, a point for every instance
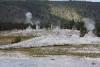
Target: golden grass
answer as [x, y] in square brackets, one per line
[55, 50]
[10, 39]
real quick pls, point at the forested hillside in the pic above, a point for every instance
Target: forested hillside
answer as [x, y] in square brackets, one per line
[68, 14]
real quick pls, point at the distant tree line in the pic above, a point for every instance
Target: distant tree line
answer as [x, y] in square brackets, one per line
[66, 14]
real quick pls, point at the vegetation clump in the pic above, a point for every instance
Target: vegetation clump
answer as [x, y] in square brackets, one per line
[17, 39]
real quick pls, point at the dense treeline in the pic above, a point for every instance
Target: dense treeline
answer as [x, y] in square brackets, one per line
[65, 14]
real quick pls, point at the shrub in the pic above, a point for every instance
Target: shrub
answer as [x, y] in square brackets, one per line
[17, 39]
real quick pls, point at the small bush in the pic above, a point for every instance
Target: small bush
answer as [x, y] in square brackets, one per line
[17, 39]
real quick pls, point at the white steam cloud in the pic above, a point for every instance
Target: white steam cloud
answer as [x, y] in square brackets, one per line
[29, 18]
[89, 24]
[37, 23]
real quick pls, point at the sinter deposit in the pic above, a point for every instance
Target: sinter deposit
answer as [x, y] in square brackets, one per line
[54, 37]
[51, 61]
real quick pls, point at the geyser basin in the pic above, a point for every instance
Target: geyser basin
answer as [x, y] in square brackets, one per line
[54, 37]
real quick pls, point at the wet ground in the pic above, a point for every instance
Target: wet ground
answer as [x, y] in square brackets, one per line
[18, 59]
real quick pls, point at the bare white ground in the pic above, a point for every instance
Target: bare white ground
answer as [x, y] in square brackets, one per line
[55, 37]
[54, 40]
[53, 61]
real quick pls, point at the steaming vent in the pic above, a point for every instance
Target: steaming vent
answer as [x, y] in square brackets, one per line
[90, 27]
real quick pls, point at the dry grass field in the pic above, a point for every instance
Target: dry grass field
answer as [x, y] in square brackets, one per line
[12, 39]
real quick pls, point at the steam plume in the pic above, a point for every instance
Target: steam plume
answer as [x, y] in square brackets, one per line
[89, 24]
[37, 23]
[29, 18]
